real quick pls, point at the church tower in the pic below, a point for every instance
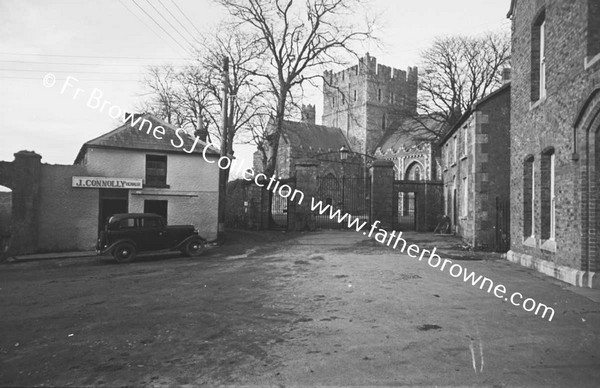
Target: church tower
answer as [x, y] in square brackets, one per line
[367, 99]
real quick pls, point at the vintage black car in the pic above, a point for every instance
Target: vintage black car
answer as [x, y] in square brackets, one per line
[126, 234]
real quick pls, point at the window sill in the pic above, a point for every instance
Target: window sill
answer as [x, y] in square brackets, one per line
[463, 157]
[453, 164]
[549, 245]
[536, 104]
[530, 242]
[591, 61]
[156, 186]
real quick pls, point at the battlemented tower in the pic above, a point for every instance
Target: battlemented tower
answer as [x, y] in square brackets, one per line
[367, 99]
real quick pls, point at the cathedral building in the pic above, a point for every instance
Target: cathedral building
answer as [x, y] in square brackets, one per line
[369, 109]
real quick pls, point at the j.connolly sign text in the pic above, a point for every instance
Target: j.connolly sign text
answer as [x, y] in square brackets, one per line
[109, 183]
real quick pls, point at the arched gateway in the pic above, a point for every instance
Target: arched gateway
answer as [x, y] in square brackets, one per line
[587, 137]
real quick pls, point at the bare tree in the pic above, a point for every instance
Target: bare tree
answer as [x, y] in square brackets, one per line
[458, 71]
[300, 39]
[162, 87]
[190, 97]
[246, 96]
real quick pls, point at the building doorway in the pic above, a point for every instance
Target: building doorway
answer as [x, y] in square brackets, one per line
[112, 201]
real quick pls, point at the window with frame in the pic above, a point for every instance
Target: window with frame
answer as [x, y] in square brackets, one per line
[355, 96]
[547, 181]
[455, 149]
[465, 197]
[465, 140]
[538, 58]
[156, 170]
[529, 198]
[447, 156]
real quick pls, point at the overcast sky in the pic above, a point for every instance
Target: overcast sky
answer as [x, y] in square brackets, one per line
[107, 45]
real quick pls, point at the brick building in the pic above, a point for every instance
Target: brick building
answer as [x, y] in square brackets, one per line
[555, 152]
[476, 172]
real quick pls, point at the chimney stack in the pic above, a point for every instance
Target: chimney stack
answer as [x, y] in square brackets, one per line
[135, 116]
[505, 75]
[201, 130]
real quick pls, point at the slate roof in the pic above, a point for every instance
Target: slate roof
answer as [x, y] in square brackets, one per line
[131, 137]
[306, 136]
[503, 89]
[404, 136]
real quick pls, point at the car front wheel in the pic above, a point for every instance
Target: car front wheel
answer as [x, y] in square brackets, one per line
[124, 252]
[194, 247]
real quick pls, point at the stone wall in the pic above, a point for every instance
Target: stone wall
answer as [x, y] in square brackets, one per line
[68, 216]
[5, 210]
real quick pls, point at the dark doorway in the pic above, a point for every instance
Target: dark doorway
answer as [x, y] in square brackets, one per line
[156, 207]
[502, 238]
[454, 209]
[112, 201]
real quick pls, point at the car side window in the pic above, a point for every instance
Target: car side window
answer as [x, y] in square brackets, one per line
[127, 223]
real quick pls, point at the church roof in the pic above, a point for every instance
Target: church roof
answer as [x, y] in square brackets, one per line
[308, 136]
[409, 133]
[128, 136]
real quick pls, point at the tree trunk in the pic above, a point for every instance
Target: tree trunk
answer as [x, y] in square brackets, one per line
[272, 160]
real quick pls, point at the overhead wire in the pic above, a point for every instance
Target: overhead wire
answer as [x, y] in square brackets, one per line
[160, 26]
[79, 79]
[147, 26]
[91, 56]
[185, 16]
[169, 23]
[68, 71]
[177, 20]
[78, 64]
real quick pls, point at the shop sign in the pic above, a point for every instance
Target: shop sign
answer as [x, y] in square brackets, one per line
[107, 183]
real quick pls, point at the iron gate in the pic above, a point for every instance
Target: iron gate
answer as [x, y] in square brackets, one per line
[280, 202]
[417, 205]
[406, 218]
[348, 194]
